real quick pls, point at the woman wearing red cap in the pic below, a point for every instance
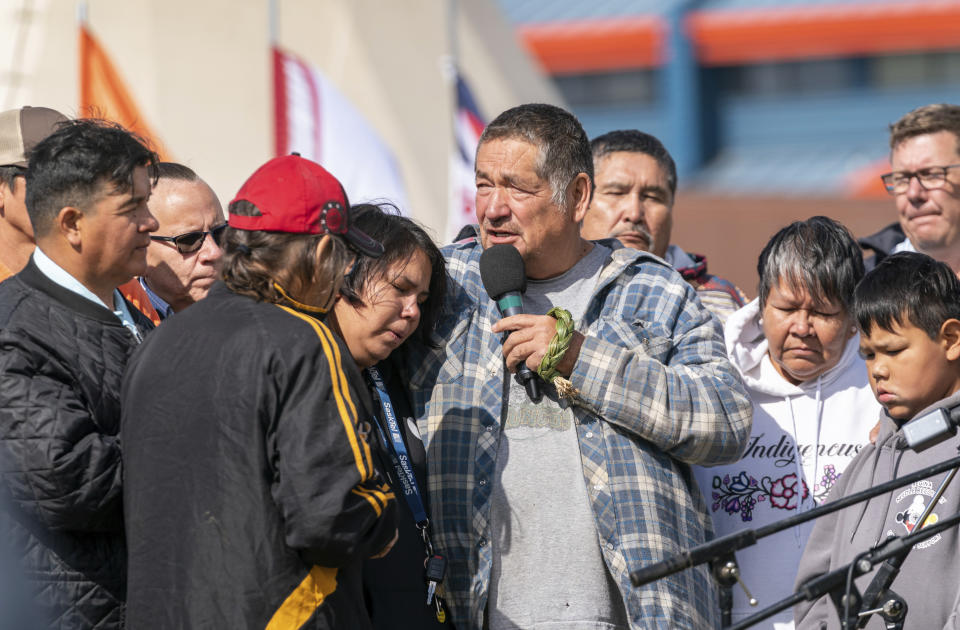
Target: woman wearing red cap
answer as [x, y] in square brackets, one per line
[251, 497]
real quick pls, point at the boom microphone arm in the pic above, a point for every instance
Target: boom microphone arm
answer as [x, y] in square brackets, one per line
[730, 543]
[834, 582]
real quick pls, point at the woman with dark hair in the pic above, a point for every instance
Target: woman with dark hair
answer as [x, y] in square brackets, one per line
[796, 347]
[384, 302]
[251, 496]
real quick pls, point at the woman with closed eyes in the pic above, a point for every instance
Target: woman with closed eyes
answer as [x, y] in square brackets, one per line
[796, 347]
[384, 302]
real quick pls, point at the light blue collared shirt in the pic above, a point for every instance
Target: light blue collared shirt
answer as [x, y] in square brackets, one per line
[678, 258]
[903, 246]
[62, 277]
[160, 305]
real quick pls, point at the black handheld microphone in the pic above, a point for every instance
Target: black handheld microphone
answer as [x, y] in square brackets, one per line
[505, 279]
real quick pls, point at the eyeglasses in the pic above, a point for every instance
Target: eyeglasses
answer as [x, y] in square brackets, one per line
[930, 178]
[189, 242]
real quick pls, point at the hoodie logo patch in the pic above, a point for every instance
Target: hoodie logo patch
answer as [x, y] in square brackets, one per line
[912, 501]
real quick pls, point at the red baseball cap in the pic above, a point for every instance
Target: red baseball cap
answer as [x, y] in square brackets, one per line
[292, 194]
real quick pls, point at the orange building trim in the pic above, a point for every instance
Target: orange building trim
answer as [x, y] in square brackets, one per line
[596, 45]
[864, 183]
[760, 35]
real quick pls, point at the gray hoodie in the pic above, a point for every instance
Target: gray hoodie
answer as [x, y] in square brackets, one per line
[929, 579]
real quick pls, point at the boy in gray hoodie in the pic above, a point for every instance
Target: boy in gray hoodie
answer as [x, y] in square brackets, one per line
[908, 312]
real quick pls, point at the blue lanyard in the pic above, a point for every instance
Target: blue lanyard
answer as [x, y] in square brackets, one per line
[398, 451]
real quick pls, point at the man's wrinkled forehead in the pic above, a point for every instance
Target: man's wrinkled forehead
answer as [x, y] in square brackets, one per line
[896, 143]
[619, 165]
[540, 159]
[178, 202]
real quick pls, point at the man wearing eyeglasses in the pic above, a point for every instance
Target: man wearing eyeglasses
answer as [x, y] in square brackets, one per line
[183, 259]
[925, 184]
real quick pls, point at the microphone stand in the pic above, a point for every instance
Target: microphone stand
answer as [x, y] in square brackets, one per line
[834, 583]
[853, 610]
[725, 545]
[888, 571]
[720, 551]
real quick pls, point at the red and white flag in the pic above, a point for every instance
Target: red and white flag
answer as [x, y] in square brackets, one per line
[468, 125]
[313, 118]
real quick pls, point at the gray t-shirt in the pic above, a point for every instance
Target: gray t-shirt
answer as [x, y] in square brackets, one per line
[548, 570]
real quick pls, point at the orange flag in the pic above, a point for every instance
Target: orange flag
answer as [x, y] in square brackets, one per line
[104, 95]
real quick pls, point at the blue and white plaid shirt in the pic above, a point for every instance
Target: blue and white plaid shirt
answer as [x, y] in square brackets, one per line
[658, 394]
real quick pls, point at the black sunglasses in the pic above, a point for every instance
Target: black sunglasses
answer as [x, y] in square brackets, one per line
[189, 242]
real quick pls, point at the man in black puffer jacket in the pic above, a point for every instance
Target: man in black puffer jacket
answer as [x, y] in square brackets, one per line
[65, 336]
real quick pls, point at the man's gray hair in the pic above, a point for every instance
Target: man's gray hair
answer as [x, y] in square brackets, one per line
[818, 256]
[564, 149]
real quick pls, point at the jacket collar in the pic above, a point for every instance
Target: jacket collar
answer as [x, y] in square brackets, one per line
[36, 279]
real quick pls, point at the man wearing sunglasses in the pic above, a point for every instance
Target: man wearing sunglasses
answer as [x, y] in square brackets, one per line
[183, 259]
[924, 182]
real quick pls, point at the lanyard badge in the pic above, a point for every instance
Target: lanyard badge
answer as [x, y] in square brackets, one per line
[392, 438]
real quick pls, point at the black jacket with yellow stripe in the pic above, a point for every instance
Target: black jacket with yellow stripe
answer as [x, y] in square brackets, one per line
[250, 494]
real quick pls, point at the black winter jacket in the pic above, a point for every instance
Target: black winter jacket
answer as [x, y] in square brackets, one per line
[61, 364]
[881, 244]
[250, 493]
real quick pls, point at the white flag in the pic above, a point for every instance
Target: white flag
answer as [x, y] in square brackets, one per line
[313, 118]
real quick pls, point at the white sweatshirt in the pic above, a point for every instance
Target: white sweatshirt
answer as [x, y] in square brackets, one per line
[829, 416]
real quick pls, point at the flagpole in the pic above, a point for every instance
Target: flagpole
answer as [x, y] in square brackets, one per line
[19, 48]
[272, 21]
[274, 74]
[451, 70]
[81, 58]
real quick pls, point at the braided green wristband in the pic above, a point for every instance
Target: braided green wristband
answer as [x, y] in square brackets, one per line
[558, 345]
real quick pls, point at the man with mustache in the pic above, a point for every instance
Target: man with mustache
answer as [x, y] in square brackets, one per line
[542, 506]
[925, 185]
[183, 259]
[636, 182]
[65, 336]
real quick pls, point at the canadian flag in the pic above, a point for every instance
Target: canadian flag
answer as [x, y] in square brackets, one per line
[313, 118]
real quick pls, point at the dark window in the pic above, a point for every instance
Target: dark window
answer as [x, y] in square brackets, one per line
[825, 75]
[795, 77]
[930, 69]
[608, 88]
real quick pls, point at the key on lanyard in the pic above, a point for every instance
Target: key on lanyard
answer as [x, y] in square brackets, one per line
[436, 567]
[441, 613]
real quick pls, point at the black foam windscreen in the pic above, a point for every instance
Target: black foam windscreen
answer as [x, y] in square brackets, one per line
[502, 270]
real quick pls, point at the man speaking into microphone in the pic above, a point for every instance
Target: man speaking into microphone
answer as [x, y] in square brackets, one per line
[542, 508]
